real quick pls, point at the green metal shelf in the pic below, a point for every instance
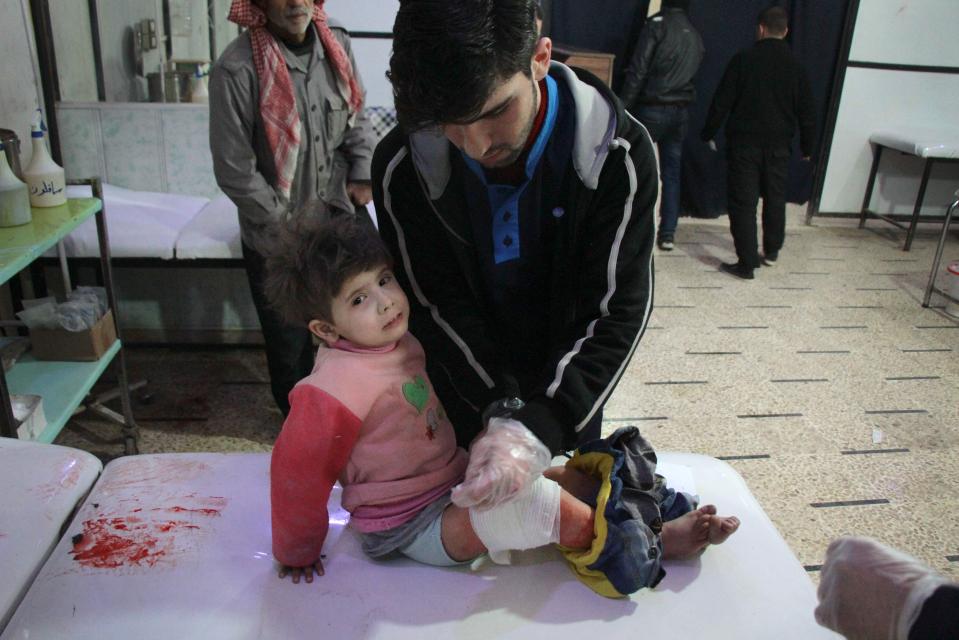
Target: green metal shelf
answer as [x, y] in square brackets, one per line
[19, 246]
[63, 385]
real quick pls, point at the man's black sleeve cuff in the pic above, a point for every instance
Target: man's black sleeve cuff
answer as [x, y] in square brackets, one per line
[546, 424]
[939, 617]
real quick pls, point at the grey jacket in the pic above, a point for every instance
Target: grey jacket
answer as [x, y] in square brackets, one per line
[332, 152]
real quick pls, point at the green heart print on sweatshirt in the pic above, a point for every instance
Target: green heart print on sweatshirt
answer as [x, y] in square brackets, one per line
[416, 393]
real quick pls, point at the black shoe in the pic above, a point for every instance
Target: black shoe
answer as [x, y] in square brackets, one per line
[737, 269]
[770, 258]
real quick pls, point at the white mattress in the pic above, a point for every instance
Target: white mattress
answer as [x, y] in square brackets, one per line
[140, 224]
[925, 142]
[198, 565]
[213, 233]
[40, 485]
[143, 224]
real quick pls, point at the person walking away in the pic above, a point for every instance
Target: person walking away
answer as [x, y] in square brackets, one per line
[657, 89]
[763, 97]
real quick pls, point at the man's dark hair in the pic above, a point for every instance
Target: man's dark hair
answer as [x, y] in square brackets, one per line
[449, 55]
[775, 20]
[314, 256]
[676, 4]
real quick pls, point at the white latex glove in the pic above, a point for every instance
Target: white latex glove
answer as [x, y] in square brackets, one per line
[869, 591]
[504, 460]
[712, 145]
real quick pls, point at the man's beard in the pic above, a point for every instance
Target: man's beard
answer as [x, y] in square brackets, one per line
[516, 152]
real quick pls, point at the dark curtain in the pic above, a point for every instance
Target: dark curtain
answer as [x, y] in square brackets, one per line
[726, 26]
[609, 26]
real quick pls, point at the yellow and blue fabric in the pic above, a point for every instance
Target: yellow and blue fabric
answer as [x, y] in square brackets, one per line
[630, 505]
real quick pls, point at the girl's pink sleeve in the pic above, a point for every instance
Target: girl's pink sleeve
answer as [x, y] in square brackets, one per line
[309, 455]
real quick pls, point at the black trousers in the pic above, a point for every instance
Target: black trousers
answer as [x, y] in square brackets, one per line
[754, 172]
[289, 349]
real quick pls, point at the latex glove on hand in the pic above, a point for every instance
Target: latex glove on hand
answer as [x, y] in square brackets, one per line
[504, 460]
[869, 591]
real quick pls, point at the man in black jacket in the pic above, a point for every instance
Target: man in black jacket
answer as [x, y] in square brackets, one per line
[657, 88]
[765, 93]
[517, 197]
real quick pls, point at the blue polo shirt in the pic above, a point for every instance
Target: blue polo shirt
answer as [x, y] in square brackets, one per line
[514, 227]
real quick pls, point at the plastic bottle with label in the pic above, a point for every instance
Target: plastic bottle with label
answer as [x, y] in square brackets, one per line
[198, 88]
[45, 178]
[14, 199]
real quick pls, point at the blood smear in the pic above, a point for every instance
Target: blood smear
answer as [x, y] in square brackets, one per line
[115, 542]
[140, 540]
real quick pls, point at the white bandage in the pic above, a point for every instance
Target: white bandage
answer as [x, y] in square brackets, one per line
[529, 520]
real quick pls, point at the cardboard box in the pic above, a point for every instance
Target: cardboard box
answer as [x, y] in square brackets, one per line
[60, 344]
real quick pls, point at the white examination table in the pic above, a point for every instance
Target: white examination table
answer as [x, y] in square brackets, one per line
[931, 144]
[149, 226]
[40, 486]
[142, 224]
[178, 546]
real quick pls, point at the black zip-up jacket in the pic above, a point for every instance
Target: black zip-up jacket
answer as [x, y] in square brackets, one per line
[601, 284]
[766, 94]
[665, 61]
[939, 617]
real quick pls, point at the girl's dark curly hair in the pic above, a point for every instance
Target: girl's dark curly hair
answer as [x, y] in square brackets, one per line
[315, 255]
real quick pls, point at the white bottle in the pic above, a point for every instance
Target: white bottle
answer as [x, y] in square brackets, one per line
[14, 200]
[45, 178]
[198, 89]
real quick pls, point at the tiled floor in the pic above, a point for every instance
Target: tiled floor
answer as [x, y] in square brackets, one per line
[823, 382]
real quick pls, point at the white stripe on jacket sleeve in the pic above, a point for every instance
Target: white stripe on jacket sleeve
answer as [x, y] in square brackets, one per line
[417, 291]
[604, 304]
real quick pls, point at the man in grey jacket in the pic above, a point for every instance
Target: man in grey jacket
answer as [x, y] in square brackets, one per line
[657, 89]
[286, 128]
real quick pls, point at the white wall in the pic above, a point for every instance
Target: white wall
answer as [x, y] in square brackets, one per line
[373, 59]
[189, 30]
[117, 18]
[364, 15]
[921, 32]
[73, 45]
[900, 32]
[225, 31]
[878, 99]
[372, 54]
[20, 91]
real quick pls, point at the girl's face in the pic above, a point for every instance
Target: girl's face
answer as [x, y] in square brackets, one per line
[370, 311]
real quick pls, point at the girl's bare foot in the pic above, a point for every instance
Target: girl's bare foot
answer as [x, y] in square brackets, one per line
[721, 527]
[689, 535]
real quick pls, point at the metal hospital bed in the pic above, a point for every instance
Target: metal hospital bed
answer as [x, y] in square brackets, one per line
[937, 260]
[42, 485]
[934, 146]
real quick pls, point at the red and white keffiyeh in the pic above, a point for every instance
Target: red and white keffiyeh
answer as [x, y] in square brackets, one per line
[281, 121]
